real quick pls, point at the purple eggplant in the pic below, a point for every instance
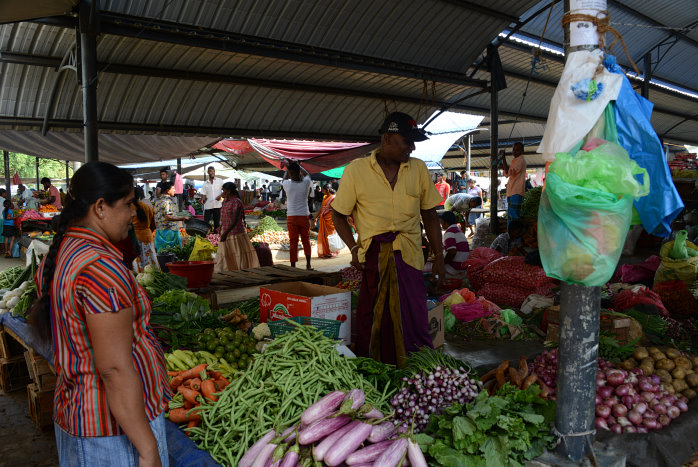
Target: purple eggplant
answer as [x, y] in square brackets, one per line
[381, 432]
[368, 454]
[264, 455]
[291, 457]
[349, 443]
[352, 401]
[322, 428]
[252, 453]
[320, 449]
[392, 456]
[415, 455]
[289, 434]
[368, 411]
[322, 408]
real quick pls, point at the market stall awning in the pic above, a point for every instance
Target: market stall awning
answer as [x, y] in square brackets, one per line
[316, 156]
[444, 129]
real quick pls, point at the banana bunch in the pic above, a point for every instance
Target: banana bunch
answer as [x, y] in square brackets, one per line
[182, 360]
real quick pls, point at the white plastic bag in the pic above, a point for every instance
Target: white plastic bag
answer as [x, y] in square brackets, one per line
[569, 118]
[335, 242]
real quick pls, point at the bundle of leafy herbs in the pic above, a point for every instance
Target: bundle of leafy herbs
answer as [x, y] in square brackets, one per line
[508, 428]
[380, 375]
[178, 316]
[426, 359]
[611, 349]
[181, 253]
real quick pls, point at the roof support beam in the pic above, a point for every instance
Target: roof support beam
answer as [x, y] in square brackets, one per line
[472, 6]
[25, 59]
[181, 34]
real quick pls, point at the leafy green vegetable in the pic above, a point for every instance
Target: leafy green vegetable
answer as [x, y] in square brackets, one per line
[181, 253]
[426, 359]
[610, 348]
[529, 207]
[249, 307]
[449, 320]
[380, 375]
[508, 428]
[266, 224]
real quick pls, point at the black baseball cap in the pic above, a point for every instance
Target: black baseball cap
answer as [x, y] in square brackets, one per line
[403, 124]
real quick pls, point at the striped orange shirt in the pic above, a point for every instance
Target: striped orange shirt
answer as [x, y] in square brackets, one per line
[90, 277]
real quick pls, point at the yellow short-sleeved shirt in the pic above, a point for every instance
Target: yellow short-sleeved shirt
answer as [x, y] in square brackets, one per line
[365, 193]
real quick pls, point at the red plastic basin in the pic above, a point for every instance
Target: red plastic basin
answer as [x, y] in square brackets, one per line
[197, 273]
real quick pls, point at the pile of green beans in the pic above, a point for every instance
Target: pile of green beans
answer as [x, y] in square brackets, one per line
[292, 373]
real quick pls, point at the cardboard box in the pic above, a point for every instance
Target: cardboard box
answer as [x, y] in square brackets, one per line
[289, 299]
[436, 325]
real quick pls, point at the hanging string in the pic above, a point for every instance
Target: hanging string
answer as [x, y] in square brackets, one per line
[602, 21]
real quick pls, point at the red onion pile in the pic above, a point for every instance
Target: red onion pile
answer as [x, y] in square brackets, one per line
[424, 394]
[545, 367]
[350, 274]
[628, 402]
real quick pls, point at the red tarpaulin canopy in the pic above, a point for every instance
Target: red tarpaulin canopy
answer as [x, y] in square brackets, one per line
[316, 156]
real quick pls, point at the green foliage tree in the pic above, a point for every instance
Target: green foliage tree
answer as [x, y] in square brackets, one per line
[25, 166]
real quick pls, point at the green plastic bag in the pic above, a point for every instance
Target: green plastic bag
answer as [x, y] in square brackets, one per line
[585, 213]
[679, 251]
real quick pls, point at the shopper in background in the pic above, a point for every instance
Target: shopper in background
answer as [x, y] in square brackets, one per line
[8, 227]
[462, 185]
[143, 227]
[516, 186]
[211, 194]
[166, 222]
[511, 241]
[442, 187]
[476, 191]
[326, 226]
[112, 386]
[235, 250]
[54, 196]
[298, 186]
[388, 193]
[463, 203]
[164, 176]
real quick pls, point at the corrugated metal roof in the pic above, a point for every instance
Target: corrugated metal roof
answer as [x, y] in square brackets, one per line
[309, 68]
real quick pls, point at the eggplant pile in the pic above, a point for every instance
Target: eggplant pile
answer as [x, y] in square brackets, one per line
[339, 429]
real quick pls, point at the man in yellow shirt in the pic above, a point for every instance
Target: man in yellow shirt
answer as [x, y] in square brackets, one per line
[387, 194]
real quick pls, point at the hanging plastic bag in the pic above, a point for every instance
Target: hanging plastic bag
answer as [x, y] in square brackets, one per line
[585, 213]
[670, 269]
[680, 251]
[203, 250]
[335, 242]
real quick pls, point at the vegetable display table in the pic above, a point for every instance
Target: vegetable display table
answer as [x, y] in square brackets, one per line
[228, 286]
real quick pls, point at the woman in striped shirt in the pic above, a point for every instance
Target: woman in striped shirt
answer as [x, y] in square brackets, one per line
[112, 384]
[456, 248]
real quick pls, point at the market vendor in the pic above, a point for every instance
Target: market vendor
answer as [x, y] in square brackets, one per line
[463, 203]
[511, 241]
[54, 196]
[388, 193]
[235, 250]
[456, 248]
[112, 386]
[166, 222]
[516, 185]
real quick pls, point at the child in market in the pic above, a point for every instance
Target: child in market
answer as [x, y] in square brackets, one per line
[9, 230]
[510, 242]
[189, 207]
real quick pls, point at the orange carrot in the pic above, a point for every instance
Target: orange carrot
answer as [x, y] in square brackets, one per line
[195, 384]
[191, 424]
[194, 372]
[173, 373]
[208, 389]
[176, 382]
[189, 394]
[188, 405]
[221, 383]
[182, 415]
[214, 374]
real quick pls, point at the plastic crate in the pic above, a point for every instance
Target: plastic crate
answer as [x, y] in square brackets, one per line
[328, 327]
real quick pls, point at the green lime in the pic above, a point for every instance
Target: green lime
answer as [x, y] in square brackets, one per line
[234, 365]
[218, 354]
[219, 349]
[237, 353]
[229, 347]
[208, 331]
[211, 345]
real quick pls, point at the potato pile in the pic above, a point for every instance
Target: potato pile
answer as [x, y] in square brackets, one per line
[676, 370]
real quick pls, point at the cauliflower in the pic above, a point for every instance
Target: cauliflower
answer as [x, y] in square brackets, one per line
[145, 278]
[261, 331]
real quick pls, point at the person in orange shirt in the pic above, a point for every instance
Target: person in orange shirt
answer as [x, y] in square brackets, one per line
[516, 186]
[442, 187]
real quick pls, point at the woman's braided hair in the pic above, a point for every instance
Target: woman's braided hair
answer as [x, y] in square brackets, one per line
[93, 181]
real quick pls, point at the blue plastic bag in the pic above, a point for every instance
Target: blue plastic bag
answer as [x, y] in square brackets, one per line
[15, 250]
[637, 136]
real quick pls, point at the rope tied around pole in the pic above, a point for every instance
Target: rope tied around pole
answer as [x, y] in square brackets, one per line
[562, 437]
[602, 21]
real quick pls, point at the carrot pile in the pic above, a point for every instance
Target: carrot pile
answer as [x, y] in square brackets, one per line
[192, 388]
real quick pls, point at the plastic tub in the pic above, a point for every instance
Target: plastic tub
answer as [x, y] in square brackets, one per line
[197, 273]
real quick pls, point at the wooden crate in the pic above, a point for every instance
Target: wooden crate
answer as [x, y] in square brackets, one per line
[13, 374]
[40, 406]
[9, 346]
[40, 371]
[618, 325]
